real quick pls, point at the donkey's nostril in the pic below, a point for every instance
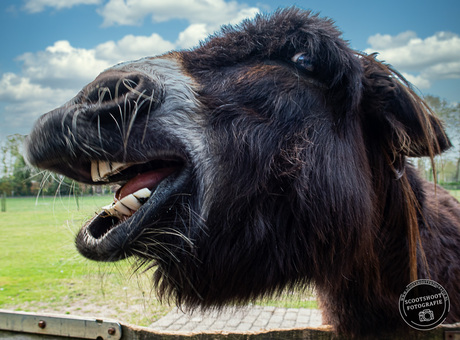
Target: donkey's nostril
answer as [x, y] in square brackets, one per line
[115, 96]
[112, 87]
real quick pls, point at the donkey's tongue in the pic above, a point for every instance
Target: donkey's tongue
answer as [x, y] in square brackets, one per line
[149, 180]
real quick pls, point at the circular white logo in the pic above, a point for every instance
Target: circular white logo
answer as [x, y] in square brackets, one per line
[424, 305]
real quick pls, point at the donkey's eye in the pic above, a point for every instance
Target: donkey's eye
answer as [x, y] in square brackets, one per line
[304, 61]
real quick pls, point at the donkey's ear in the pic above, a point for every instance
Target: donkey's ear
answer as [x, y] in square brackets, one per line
[400, 118]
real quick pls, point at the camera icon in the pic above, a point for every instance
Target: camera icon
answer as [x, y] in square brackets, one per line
[426, 315]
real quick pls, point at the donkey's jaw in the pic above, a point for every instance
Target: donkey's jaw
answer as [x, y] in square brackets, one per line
[109, 235]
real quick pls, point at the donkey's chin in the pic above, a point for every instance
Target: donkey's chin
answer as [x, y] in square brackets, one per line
[112, 234]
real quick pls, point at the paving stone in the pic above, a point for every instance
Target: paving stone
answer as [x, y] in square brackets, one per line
[233, 322]
[188, 327]
[260, 323]
[276, 319]
[302, 324]
[251, 318]
[290, 315]
[279, 311]
[207, 322]
[316, 321]
[289, 323]
[265, 316]
[253, 313]
[244, 327]
[182, 320]
[219, 325]
[164, 322]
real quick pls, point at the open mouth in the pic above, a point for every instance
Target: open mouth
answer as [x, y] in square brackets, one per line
[145, 188]
[137, 190]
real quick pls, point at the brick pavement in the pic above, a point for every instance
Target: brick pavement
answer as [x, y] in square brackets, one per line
[239, 319]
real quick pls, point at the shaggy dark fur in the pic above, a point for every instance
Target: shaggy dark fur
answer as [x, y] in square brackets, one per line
[290, 155]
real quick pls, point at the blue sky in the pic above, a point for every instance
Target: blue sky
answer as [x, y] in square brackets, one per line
[51, 48]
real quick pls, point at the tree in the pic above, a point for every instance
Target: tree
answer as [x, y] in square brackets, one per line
[17, 178]
[15, 173]
[450, 114]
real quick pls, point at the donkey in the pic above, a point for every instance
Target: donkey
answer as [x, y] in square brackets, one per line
[271, 156]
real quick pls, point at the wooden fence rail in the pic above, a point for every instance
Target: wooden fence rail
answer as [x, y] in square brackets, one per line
[20, 325]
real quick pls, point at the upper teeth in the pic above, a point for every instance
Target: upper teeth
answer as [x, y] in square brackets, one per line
[101, 170]
[126, 206]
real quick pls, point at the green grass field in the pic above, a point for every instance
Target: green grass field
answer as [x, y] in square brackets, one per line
[41, 271]
[456, 194]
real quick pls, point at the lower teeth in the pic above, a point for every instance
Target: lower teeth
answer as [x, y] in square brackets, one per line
[127, 205]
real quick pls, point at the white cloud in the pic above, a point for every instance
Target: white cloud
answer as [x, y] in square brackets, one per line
[192, 35]
[51, 77]
[62, 65]
[25, 101]
[445, 70]
[35, 6]
[423, 61]
[54, 75]
[420, 81]
[16, 89]
[213, 12]
[132, 47]
[385, 41]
